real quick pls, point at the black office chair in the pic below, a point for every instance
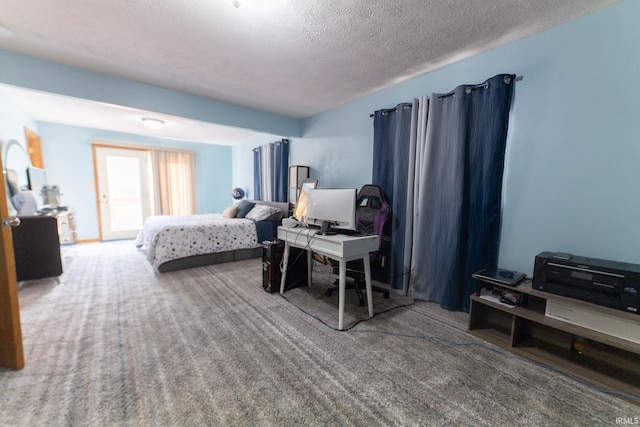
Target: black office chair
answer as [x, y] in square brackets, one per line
[372, 214]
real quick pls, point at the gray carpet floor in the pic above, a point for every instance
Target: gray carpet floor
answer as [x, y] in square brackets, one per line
[119, 345]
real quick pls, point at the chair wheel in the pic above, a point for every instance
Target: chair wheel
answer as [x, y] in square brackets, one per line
[385, 295]
[328, 293]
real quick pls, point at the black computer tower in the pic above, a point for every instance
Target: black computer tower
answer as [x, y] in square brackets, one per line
[272, 253]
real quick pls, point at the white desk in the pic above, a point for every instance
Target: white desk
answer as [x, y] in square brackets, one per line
[340, 247]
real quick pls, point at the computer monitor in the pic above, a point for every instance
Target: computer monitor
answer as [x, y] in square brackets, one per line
[332, 209]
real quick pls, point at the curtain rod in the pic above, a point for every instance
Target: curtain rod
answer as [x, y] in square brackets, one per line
[282, 141]
[481, 85]
[133, 146]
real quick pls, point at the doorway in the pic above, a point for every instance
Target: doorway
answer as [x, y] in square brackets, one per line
[34, 148]
[123, 177]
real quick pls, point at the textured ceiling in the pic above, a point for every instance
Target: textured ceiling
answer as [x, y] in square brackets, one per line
[291, 57]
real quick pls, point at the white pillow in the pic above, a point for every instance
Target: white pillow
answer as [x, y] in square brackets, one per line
[264, 213]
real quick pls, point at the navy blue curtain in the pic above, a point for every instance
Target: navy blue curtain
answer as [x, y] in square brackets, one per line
[281, 170]
[460, 196]
[271, 171]
[390, 163]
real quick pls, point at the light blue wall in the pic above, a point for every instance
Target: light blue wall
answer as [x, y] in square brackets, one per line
[572, 177]
[13, 120]
[68, 160]
[573, 172]
[573, 157]
[243, 162]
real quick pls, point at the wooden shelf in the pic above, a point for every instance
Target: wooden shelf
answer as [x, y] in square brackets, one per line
[606, 361]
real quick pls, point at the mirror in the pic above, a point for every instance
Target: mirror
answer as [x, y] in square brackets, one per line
[16, 161]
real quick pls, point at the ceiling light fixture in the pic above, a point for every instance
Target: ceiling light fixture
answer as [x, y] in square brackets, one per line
[152, 123]
[240, 3]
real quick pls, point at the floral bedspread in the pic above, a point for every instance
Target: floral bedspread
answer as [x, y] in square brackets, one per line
[169, 237]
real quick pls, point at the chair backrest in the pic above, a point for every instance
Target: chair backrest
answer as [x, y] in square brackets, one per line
[372, 210]
[372, 213]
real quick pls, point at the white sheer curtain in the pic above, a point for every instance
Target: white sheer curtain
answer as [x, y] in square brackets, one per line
[417, 141]
[267, 172]
[174, 182]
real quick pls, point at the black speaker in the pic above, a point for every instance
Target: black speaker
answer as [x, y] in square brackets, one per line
[272, 253]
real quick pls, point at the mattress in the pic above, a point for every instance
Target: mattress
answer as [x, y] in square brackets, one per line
[170, 237]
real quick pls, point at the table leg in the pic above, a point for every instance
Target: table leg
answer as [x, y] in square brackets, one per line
[367, 281]
[309, 264]
[285, 266]
[342, 277]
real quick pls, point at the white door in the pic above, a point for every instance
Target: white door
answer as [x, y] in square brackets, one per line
[124, 191]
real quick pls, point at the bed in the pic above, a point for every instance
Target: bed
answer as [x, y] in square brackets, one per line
[176, 242]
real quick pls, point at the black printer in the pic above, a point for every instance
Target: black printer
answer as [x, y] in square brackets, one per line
[609, 283]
